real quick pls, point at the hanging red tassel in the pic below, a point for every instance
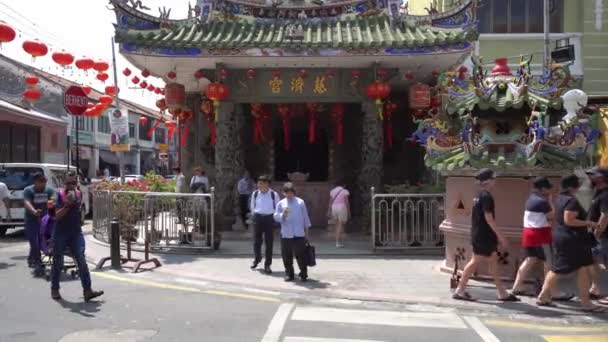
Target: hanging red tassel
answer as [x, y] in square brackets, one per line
[212, 131]
[154, 127]
[312, 122]
[207, 109]
[390, 108]
[259, 118]
[337, 113]
[185, 133]
[171, 132]
[285, 115]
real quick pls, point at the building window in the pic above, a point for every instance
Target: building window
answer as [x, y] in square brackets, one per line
[144, 129]
[19, 143]
[85, 124]
[103, 124]
[160, 136]
[518, 16]
[131, 130]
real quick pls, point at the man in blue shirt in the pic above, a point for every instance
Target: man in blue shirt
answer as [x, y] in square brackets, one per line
[292, 214]
[35, 198]
[68, 233]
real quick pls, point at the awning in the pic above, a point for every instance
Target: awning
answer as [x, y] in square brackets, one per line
[108, 157]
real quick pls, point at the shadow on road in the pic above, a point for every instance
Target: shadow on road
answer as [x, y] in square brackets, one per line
[4, 265]
[82, 308]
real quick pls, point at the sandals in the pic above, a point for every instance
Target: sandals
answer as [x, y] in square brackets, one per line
[466, 297]
[523, 293]
[564, 298]
[510, 298]
[594, 296]
[595, 309]
[603, 301]
[546, 304]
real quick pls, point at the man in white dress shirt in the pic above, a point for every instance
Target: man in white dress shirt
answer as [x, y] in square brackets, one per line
[263, 202]
[291, 212]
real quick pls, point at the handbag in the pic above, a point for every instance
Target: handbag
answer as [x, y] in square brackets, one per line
[311, 255]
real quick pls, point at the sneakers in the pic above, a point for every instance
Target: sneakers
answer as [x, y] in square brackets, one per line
[55, 295]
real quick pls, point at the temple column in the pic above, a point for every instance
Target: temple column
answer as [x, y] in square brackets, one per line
[371, 160]
[188, 151]
[229, 163]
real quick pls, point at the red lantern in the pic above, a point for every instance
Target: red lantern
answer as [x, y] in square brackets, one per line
[462, 72]
[382, 74]
[35, 48]
[63, 58]
[101, 66]
[126, 72]
[250, 74]
[501, 68]
[355, 74]
[217, 92]
[435, 73]
[151, 88]
[161, 104]
[106, 100]
[176, 95]
[143, 120]
[31, 81]
[157, 91]
[276, 74]
[303, 73]
[172, 75]
[143, 84]
[199, 74]
[330, 74]
[86, 89]
[378, 91]
[90, 105]
[135, 80]
[409, 75]
[102, 77]
[7, 33]
[85, 64]
[223, 74]
[32, 94]
[145, 73]
[111, 90]
[170, 123]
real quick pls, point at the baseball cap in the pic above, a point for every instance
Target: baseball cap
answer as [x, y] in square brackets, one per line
[542, 183]
[485, 175]
[598, 171]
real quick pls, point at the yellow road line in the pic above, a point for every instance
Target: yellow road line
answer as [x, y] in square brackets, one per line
[532, 326]
[576, 338]
[184, 288]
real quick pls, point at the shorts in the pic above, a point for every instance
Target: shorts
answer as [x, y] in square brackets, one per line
[600, 252]
[339, 213]
[544, 253]
[485, 249]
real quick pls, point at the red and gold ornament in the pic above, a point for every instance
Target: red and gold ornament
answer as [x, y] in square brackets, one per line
[389, 108]
[312, 122]
[143, 120]
[261, 117]
[217, 92]
[250, 74]
[207, 110]
[378, 91]
[337, 114]
[285, 114]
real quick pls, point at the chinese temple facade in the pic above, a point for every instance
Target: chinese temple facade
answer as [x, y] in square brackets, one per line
[308, 91]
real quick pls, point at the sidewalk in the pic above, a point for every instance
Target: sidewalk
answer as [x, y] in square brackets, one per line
[364, 277]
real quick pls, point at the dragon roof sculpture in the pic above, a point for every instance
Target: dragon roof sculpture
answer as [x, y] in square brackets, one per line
[515, 122]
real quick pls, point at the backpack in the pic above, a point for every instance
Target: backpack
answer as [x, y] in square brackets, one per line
[255, 197]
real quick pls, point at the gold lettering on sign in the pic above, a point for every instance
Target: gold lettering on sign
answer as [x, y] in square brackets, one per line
[297, 85]
[275, 85]
[320, 87]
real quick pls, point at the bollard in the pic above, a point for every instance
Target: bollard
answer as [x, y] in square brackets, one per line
[115, 244]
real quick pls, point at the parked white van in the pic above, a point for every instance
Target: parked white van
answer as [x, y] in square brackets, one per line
[17, 176]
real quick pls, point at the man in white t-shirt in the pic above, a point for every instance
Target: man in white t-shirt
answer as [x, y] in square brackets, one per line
[339, 210]
[4, 198]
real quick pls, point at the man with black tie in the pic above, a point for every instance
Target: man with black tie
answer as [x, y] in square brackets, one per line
[263, 203]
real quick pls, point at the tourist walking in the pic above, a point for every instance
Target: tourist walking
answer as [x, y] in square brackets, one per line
[180, 188]
[263, 204]
[68, 234]
[292, 214]
[339, 210]
[245, 187]
[598, 213]
[35, 198]
[199, 182]
[572, 244]
[5, 201]
[537, 237]
[485, 238]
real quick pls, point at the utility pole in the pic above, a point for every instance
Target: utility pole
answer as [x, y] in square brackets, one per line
[546, 29]
[121, 162]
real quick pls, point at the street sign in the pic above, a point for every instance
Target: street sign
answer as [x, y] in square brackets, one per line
[75, 100]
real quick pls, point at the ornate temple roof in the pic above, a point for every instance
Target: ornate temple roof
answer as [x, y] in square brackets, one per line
[294, 25]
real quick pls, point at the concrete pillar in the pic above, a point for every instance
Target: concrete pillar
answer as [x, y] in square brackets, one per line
[372, 148]
[229, 162]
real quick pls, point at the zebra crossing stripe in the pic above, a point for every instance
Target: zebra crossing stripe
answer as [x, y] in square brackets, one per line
[275, 329]
[323, 339]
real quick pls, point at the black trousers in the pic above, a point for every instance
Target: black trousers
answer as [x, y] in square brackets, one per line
[244, 205]
[294, 247]
[263, 230]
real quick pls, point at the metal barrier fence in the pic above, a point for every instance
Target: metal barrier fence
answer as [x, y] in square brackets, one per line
[164, 220]
[406, 221]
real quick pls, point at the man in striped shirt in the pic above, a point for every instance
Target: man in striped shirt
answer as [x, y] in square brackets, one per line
[536, 237]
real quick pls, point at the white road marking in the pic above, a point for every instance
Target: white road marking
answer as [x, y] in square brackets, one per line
[481, 330]
[275, 329]
[392, 318]
[192, 282]
[323, 339]
[252, 290]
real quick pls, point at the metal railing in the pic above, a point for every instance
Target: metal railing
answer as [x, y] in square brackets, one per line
[163, 220]
[406, 221]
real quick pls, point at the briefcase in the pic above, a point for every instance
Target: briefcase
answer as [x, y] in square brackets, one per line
[311, 256]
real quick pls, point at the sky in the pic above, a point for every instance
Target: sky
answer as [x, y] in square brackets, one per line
[81, 27]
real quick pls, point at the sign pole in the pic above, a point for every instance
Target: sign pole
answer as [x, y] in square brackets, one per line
[77, 145]
[121, 162]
